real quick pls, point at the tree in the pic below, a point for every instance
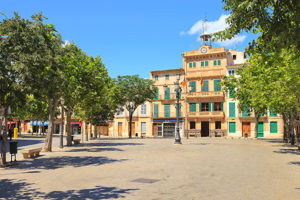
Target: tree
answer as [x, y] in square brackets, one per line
[134, 92]
[277, 22]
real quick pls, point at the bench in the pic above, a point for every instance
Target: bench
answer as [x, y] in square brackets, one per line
[143, 135]
[35, 152]
[76, 141]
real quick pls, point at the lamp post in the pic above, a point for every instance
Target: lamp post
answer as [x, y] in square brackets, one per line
[187, 119]
[62, 123]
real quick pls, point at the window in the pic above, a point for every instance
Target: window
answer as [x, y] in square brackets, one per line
[272, 114]
[192, 64]
[143, 127]
[156, 94]
[193, 84]
[192, 125]
[167, 76]
[217, 62]
[205, 86]
[231, 93]
[167, 93]
[231, 71]
[167, 110]
[217, 87]
[143, 109]
[217, 106]
[273, 127]
[234, 57]
[205, 107]
[231, 109]
[231, 127]
[156, 77]
[192, 107]
[155, 110]
[218, 125]
[179, 111]
[120, 111]
[204, 63]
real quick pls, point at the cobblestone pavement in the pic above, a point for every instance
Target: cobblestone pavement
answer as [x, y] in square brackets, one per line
[157, 169]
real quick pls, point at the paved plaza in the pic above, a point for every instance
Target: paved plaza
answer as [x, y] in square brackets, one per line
[154, 169]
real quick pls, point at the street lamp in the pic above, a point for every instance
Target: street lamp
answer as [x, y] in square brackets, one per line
[178, 91]
[62, 100]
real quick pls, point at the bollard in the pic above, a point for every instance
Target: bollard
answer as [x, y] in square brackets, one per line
[15, 133]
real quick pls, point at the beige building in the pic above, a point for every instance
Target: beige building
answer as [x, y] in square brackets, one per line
[205, 109]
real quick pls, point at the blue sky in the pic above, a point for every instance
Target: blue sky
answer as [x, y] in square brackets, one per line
[131, 36]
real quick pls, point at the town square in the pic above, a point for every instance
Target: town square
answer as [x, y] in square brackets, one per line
[150, 100]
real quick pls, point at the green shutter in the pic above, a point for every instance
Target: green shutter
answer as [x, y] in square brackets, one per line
[215, 62]
[245, 114]
[192, 107]
[221, 106]
[212, 106]
[156, 94]
[260, 127]
[167, 110]
[193, 83]
[272, 114]
[202, 63]
[200, 107]
[231, 109]
[206, 63]
[167, 93]
[205, 86]
[209, 106]
[273, 127]
[219, 62]
[190, 65]
[216, 85]
[155, 110]
[231, 92]
[231, 127]
[194, 64]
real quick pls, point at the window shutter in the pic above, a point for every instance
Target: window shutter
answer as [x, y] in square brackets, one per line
[219, 62]
[231, 92]
[155, 110]
[206, 63]
[216, 86]
[213, 106]
[156, 94]
[221, 106]
[190, 65]
[167, 110]
[194, 64]
[231, 127]
[273, 127]
[193, 83]
[215, 62]
[272, 114]
[209, 106]
[200, 107]
[260, 127]
[202, 63]
[192, 107]
[231, 109]
[167, 93]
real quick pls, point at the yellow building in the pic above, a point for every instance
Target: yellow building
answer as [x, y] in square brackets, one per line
[205, 109]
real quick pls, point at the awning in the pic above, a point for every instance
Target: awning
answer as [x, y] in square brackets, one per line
[38, 123]
[77, 122]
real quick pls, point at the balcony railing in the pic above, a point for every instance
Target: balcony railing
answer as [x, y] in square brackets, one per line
[206, 73]
[205, 94]
[206, 114]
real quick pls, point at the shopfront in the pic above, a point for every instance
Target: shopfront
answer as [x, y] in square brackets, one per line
[166, 128]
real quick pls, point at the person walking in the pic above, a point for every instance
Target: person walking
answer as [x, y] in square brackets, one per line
[10, 134]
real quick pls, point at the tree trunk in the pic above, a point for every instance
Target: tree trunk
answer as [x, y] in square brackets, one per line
[48, 141]
[256, 124]
[285, 123]
[130, 122]
[68, 128]
[91, 134]
[292, 135]
[43, 127]
[4, 139]
[95, 131]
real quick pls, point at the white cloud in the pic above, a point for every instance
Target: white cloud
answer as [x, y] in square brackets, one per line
[212, 27]
[66, 42]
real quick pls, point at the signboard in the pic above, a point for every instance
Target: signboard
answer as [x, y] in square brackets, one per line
[166, 120]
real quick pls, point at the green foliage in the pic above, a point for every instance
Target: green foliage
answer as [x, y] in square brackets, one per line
[276, 21]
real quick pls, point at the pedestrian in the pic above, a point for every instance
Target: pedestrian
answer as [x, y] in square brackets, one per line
[10, 134]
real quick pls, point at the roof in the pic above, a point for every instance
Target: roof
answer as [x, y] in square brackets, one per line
[168, 70]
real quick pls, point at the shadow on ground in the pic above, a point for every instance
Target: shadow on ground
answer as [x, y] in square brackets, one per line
[64, 161]
[294, 163]
[94, 149]
[19, 189]
[101, 144]
[288, 151]
[22, 143]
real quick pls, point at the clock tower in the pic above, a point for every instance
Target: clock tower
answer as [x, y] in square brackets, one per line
[205, 37]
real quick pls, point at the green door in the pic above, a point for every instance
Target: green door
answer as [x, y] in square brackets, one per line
[260, 132]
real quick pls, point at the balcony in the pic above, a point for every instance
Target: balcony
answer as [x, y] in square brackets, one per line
[206, 94]
[206, 73]
[207, 114]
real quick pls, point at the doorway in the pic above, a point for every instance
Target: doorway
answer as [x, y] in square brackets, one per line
[246, 129]
[169, 129]
[119, 128]
[204, 129]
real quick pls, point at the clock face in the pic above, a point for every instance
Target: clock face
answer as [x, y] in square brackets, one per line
[203, 50]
